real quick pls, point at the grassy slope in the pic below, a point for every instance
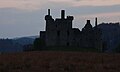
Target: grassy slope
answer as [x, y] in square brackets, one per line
[56, 61]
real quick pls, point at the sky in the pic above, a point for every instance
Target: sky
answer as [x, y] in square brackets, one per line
[19, 18]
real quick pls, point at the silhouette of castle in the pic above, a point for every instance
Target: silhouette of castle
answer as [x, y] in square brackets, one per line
[59, 32]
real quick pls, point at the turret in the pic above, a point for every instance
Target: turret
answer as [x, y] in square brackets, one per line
[88, 25]
[48, 17]
[70, 17]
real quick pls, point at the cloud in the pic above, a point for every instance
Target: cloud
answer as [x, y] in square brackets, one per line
[89, 2]
[40, 4]
[23, 4]
[96, 2]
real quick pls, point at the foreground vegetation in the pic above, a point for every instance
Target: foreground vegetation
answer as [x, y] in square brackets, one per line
[58, 61]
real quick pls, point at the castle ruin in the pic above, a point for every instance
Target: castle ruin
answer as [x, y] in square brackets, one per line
[59, 32]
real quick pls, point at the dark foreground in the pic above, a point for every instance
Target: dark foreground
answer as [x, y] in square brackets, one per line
[48, 61]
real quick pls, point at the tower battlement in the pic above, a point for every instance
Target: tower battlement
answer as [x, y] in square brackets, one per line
[70, 17]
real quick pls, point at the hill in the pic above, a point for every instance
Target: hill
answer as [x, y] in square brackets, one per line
[110, 35]
[8, 45]
[48, 61]
[25, 40]
[15, 44]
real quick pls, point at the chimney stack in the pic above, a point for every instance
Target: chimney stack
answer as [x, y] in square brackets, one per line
[96, 21]
[62, 14]
[48, 11]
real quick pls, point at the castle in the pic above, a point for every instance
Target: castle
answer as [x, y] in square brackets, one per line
[59, 32]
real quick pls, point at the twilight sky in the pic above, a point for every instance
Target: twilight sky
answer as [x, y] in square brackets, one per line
[26, 17]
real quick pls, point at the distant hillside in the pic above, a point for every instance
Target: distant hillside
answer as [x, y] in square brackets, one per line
[110, 35]
[8, 45]
[24, 40]
[33, 37]
[16, 44]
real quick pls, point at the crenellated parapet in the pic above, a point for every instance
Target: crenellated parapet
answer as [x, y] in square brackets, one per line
[70, 18]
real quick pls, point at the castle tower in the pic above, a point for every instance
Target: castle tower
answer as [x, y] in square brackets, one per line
[49, 20]
[50, 29]
[87, 35]
[58, 31]
[64, 29]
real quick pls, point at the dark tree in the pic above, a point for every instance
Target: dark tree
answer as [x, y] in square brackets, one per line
[117, 49]
[28, 47]
[39, 44]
